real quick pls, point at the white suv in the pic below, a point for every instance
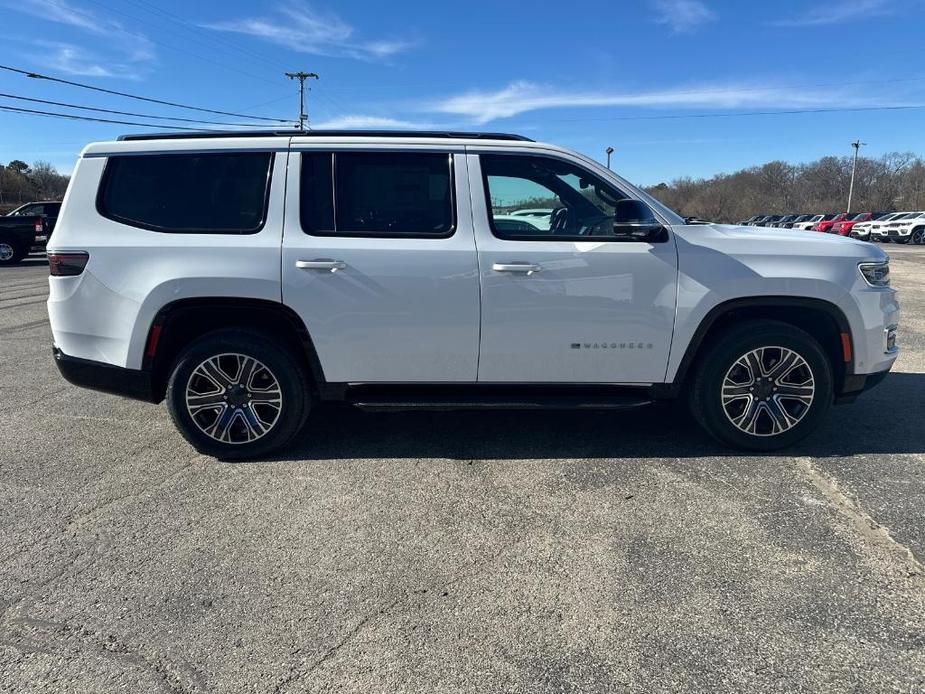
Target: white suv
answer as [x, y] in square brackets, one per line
[245, 278]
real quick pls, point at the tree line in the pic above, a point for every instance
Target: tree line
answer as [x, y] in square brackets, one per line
[21, 183]
[895, 181]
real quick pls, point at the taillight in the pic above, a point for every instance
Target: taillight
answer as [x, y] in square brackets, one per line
[39, 226]
[67, 264]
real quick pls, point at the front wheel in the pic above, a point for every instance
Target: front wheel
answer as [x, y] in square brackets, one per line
[233, 394]
[918, 237]
[764, 386]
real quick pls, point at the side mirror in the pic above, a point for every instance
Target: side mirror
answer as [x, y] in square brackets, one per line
[634, 221]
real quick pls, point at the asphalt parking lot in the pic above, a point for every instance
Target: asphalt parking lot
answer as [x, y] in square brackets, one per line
[472, 552]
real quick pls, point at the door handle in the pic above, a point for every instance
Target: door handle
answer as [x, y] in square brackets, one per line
[321, 264]
[526, 268]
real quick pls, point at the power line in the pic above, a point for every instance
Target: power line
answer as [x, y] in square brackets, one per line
[129, 113]
[36, 75]
[73, 116]
[741, 115]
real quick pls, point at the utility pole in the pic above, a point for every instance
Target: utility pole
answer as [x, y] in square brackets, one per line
[302, 76]
[857, 144]
[608, 151]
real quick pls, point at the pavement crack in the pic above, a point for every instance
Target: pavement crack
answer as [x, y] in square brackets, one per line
[872, 533]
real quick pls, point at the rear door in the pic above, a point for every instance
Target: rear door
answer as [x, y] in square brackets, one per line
[379, 261]
[566, 301]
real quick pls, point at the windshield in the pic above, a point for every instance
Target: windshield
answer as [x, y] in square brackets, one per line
[859, 217]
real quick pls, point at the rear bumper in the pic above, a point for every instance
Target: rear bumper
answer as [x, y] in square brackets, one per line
[129, 383]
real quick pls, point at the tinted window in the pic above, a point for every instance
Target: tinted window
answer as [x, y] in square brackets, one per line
[193, 193]
[573, 202]
[377, 194]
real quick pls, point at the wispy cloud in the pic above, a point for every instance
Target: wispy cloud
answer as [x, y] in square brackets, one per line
[838, 12]
[682, 15]
[480, 107]
[304, 29]
[133, 47]
[362, 122]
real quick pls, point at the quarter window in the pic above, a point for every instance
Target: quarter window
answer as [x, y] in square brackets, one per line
[542, 198]
[377, 194]
[213, 193]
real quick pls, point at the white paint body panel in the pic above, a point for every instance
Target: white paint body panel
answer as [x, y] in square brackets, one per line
[401, 310]
[412, 310]
[597, 311]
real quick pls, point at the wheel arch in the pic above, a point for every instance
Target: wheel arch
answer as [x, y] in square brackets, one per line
[822, 319]
[180, 322]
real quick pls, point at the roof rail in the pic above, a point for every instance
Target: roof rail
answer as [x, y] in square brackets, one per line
[448, 134]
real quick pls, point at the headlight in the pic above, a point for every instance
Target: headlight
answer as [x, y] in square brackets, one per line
[876, 274]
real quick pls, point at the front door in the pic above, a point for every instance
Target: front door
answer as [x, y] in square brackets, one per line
[379, 262]
[566, 298]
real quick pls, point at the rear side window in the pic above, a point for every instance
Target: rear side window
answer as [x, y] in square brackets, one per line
[213, 193]
[374, 194]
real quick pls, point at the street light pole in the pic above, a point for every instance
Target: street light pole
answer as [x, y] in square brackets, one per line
[857, 144]
[609, 151]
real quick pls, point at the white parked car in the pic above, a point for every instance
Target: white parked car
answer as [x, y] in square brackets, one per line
[245, 278]
[907, 227]
[879, 224]
[808, 224]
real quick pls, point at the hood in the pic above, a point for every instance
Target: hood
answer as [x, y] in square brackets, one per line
[743, 239]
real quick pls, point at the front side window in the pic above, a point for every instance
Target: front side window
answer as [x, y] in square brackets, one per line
[385, 194]
[542, 198]
[211, 193]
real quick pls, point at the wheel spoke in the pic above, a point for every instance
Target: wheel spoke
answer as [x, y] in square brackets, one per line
[781, 421]
[209, 401]
[246, 370]
[752, 361]
[219, 429]
[212, 371]
[255, 426]
[788, 362]
[802, 393]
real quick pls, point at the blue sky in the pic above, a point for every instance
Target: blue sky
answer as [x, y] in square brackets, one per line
[585, 75]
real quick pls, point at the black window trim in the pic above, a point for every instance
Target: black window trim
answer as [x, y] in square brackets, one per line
[334, 233]
[553, 238]
[107, 172]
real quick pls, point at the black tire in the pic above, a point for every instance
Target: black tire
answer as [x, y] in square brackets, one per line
[705, 393]
[291, 383]
[918, 236]
[11, 251]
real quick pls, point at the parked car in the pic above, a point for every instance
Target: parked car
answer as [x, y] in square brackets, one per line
[48, 209]
[751, 220]
[844, 227]
[909, 227]
[769, 220]
[826, 225]
[19, 235]
[813, 221]
[798, 219]
[368, 268]
[877, 227]
[539, 217]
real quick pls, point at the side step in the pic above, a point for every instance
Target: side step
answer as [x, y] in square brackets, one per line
[449, 398]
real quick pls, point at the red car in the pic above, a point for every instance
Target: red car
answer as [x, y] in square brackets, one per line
[844, 228]
[827, 225]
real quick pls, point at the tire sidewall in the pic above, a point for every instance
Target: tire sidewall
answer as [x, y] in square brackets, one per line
[18, 251]
[723, 356]
[293, 384]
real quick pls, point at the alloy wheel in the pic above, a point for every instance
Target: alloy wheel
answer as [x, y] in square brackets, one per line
[6, 252]
[233, 398]
[768, 391]
[918, 237]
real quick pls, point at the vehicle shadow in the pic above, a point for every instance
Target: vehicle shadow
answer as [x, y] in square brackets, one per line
[666, 430]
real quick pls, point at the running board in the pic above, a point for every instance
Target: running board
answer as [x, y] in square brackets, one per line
[374, 399]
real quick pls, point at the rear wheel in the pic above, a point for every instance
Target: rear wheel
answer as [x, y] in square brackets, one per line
[765, 386]
[232, 394]
[11, 251]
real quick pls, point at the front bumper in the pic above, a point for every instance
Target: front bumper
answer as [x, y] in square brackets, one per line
[856, 384]
[129, 383]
